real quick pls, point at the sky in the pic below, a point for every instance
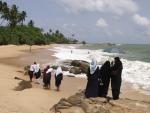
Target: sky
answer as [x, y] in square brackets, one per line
[95, 21]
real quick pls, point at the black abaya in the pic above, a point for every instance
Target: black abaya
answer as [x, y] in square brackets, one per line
[92, 84]
[116, 79]
[58, 79]
[47, 79]
[105, 78]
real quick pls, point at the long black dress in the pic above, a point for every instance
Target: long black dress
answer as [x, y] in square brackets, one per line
[38, 74]
[105, 78]
[58, 79]
[47, 79]
[92, 84]
[30, 74]
[116, 79]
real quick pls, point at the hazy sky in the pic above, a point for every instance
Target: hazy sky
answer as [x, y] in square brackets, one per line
[118, 21]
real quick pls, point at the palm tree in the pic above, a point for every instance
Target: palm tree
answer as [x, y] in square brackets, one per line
[1, 6]
[22, 16]
[4, 9]
[13, 16]
[50, 31]
[31, 23]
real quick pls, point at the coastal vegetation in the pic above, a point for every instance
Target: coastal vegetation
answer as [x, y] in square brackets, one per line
[14, 31]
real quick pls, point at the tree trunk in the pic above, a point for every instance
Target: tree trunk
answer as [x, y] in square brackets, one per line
[30, 48]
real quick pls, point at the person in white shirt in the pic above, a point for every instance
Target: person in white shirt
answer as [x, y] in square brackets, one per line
[47, 77]
[30, 72]
[37, 71]
[58, 77]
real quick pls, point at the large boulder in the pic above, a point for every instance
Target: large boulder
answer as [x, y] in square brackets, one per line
[65, 68]
[83, 65]
[75, 70]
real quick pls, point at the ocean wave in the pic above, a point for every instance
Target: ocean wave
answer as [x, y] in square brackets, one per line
[135, 72]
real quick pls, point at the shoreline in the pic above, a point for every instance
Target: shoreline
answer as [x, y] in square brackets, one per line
[12, 63]
[16, 57]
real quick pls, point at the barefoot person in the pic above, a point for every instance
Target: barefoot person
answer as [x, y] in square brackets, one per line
[47, 77]
[116, 78]
[105, 79]
[92, 77]
[58, 77]
[37, 70]
[30, 72]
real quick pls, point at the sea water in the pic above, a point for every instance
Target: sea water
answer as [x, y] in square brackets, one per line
[135, 59]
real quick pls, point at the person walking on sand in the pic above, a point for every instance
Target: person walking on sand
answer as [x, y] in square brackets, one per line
[58, 77]
[30, 72]
[47, 77]
[92, 77]
[105, 72]
[116, 78]
[37, 70]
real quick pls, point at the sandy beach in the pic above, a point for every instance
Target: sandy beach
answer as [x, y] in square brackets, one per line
[36, 99]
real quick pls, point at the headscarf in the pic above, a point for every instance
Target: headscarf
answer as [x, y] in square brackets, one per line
[93, 66]
[58, 71]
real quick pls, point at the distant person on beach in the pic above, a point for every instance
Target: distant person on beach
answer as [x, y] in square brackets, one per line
[105, 72]
[47, 77]
[30, 72]
[116, 78]
[58, 77]
[92, 77]
[37, 70]
[71, 51]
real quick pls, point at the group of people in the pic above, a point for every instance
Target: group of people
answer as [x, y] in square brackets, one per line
[99, 79]
[35, 72]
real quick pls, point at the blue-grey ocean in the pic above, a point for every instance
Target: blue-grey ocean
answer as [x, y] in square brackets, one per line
[135, 59]
[139, 52]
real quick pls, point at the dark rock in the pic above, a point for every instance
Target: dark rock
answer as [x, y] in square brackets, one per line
[83, 65]
[65, 68]
[75, 70]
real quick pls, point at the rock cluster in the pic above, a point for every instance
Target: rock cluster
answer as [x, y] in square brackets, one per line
[79, 67]
[79, 104]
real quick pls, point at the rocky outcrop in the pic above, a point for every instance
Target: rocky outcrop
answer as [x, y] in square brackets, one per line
[75, 70]
[79, 104]
[79, 66]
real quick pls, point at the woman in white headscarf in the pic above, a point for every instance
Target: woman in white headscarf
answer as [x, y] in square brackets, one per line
[92, 77]
[58, 77]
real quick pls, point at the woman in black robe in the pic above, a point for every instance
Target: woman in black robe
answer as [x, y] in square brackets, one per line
[58, 77]
[92, 83]
[116, 78]
[104, 79]
[47, 77]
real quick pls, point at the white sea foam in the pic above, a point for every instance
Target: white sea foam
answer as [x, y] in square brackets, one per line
[135, 72]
